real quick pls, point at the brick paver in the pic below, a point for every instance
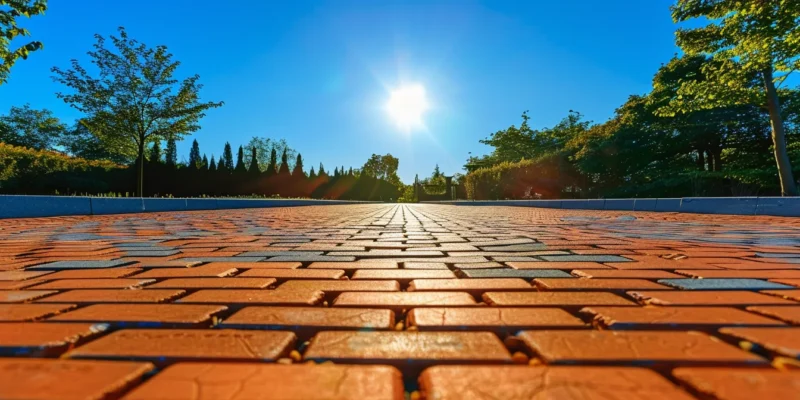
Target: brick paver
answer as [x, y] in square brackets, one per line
[739, 383]
[44, 340]
[31, 379]
[144, 315]
[307, 321]
[790, 314]
[385, 291]
[666, 318]
[113, 296]
[634, 348]
[254, 297]
[496, 319]
[31, 312]
[407, 350]
[271, 382]
[170, 345]
[515, 382]
[781, 341]
[400, 301]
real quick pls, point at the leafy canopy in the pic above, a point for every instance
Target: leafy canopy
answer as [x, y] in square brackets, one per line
[10, 11]
[744, 38]
[133, 99]
[28, 127]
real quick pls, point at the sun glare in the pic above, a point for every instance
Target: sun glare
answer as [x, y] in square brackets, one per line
[406, 106]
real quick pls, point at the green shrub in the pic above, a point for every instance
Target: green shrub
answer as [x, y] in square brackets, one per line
[23, 170]
[523, 179]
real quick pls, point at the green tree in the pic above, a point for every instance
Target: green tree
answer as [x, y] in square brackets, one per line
[383, 167]
[155, 152]
[254, 167]
[240, 161]
[9, 13]
[437, 173]
[509, 145]
[321, 171]
[272, 167]
[750, 41]
[79, 142]
[204, 163]
[283, 169]
[227, 157]
[194, 155]
[28, 127]
[213, 165]
[312, 174]
[171, 154]
[265, 146]
[298, 167]
[133, 99]
[221, 164]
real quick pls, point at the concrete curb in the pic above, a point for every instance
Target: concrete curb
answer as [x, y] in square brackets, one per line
[13, 206]
[775, 206]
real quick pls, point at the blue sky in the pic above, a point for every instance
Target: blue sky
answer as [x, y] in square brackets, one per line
[319, 73]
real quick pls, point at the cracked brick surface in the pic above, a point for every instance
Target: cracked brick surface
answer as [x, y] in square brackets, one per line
[382, 301]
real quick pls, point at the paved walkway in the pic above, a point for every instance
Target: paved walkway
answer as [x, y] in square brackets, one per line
[386, 302]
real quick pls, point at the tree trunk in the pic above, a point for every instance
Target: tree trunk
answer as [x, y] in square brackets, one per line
[701, 163]
[140, 172]
[788, 185]
[717, 159]
[710, 160]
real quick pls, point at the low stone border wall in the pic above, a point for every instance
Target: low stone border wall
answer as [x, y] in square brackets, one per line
[52, 206]
[777, 206]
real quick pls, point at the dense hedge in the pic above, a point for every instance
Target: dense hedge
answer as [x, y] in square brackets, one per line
[551, 179]
[25, 171]
[163, 180]
[545, 179]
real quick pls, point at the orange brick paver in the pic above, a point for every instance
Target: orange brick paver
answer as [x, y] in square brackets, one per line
[161, 315]
[517, 382]
[785, 342]
[739, 383]
[45, 379]
[305, 321]
[407, 350]
[169, 345]
[271, 382]
[40, 339]
[657, 348]
[385, 301]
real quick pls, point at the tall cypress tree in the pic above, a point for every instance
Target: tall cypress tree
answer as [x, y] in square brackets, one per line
[254, 169]
[171, 156]
[240, 168]
[322, 170]
[194, 155]
[155, 152]
[213, 165]
[221, 163]
[272, 168]
[204, 163]
[312, 174]
[298, 166]
[227, 157]
[283, 169]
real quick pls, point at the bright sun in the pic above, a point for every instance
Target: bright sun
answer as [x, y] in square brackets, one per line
[406, 106]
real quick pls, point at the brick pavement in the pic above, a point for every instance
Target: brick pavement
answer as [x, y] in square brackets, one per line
[379, 301]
